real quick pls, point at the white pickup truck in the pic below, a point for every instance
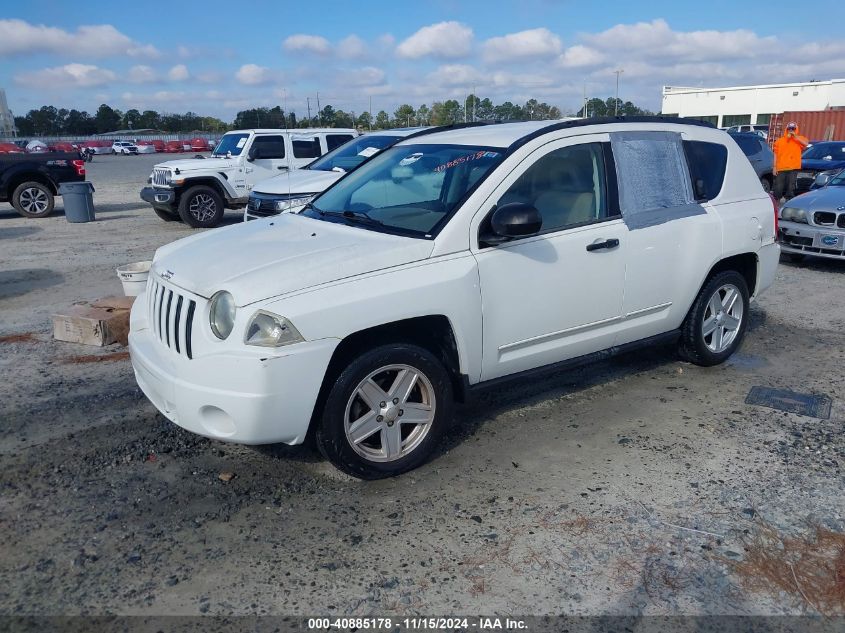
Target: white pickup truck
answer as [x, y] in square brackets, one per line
[198, 190]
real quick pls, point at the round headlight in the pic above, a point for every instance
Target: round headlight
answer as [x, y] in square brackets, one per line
[222, 314]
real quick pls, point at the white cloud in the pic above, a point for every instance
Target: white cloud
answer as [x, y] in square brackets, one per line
[303, 43]
[514, 47]
[656, 39]
[141, 75]
[252, 74]
[352, 47]
[178, 73]
[457, 75]
[18, 37]
[579, 56]
[68, 76]
[445, 40]
[360, 77]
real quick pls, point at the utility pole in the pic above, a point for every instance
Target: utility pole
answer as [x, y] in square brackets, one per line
[616, 103]
[308, 101]
[319, 114]
[370, 118]
[474, 100]
[285, 90]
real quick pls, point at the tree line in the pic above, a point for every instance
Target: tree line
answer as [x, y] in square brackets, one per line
[52, 121]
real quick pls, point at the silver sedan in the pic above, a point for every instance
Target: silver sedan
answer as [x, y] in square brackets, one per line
[814, 223]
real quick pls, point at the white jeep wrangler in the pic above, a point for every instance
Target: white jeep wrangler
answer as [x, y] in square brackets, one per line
[198, 190]
[448, 262]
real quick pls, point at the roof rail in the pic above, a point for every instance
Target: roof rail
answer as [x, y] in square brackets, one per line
[605, 120]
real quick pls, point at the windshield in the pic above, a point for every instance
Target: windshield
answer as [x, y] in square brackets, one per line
[231, 143]
[351, 154]
[821, 151]
[407, 189]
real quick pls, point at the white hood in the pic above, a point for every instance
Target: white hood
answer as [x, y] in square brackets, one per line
[275, 256]
[186, 164]
[299, 181]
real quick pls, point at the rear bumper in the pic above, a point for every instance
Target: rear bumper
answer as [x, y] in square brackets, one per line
[159, 198]
[768, 258]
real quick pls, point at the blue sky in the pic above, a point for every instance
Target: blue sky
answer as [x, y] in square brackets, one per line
[218, 57]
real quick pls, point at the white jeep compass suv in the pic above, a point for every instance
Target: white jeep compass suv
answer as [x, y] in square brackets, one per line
[444, 263]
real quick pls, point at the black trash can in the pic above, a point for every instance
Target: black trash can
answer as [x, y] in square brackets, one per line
[78, 201]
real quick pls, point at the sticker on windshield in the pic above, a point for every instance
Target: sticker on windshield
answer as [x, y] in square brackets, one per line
[241, 143]
[368, 151]
[465, 159]
[410, 160]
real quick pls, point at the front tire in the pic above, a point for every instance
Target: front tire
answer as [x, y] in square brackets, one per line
[386, 412]
[201, 207]
[716, 323]
[33, 200]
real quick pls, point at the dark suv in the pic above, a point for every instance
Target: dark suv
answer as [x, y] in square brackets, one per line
[759, 154]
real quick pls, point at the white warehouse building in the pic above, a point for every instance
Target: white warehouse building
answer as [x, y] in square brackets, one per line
[724, 107]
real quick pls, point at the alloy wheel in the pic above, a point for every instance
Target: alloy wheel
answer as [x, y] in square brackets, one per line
[33, 200]
[202, 207]
[722, 318]
[390, 413]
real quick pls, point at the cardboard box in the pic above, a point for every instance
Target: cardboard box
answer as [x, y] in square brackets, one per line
[101, 322]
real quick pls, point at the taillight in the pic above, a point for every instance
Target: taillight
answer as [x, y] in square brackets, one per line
[79, 166]
[775, 207]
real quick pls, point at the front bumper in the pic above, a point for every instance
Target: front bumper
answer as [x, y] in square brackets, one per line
[245, 396]
[809, 239]
[159, 198]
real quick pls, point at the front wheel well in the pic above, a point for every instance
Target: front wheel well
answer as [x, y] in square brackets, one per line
[433, 333]
[208, 182]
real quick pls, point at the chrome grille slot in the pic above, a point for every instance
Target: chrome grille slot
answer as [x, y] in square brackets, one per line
[160, 177]
[170, 316]
[841, 221]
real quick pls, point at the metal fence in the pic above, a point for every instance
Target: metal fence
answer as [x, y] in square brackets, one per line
[49, 140]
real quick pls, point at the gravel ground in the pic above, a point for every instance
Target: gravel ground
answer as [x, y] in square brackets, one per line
[635, 486]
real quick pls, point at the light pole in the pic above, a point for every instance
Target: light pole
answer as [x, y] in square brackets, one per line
[616, 102]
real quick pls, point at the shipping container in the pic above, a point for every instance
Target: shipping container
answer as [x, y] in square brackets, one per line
[824, 125]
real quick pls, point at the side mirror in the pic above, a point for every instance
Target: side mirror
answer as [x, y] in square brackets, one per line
[513, 220]
[253, 153]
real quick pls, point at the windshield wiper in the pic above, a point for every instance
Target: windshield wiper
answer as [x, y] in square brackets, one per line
[362, 217]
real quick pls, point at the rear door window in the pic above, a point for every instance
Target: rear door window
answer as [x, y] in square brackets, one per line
[707, 163]
[336, 140]
[306, 147]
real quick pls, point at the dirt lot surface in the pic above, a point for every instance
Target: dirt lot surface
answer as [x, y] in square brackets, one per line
[643, 485]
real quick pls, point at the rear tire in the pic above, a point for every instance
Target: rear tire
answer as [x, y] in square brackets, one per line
[201, 207]
[767, 184]
[716, 323]
[386, 412]
[33, 200]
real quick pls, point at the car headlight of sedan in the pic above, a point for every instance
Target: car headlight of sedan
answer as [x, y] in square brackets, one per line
[291, 203]
[266, 329]
[221, 315]
[791, 214]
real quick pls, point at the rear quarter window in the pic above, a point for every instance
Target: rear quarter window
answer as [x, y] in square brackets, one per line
[707, 163]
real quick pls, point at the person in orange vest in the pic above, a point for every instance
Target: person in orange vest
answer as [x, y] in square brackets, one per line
[787, 150]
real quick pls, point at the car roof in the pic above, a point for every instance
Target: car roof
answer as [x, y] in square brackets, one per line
[510, 134]
[296, 130]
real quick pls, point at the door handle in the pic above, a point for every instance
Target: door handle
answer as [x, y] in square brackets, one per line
[595, 246]
[281, 167]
